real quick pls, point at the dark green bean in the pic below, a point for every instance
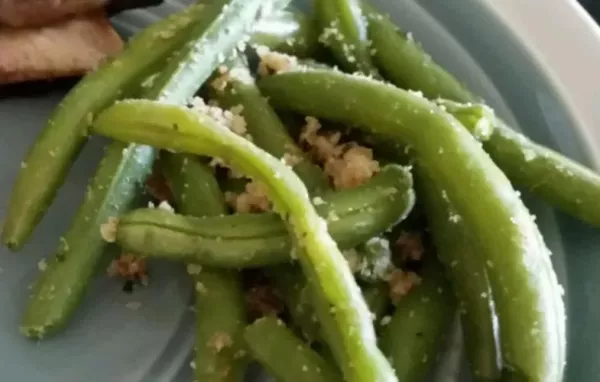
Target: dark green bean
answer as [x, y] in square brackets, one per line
[547, 174]
[526, 291]
[220, 309]
[62, 285]
[413, 337]
[291, 32]
[344, 31]
[469, 277]
[284, 355]
[180, 129]
[49, 159]
[292, 285]
[251, 240]
[264, 126]
[378, 298]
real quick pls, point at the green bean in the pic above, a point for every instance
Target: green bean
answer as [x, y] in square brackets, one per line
[413, 337]
[547, 174]
[526, 291]
[264, 126]
[326, 269]
[291, 32]
[64, 279]
[378, 298]
[284, 355]
[292, 285]
[220, 309]
[62, 285]
[403, 61]
[49, 159]
[220, 319]
[458, 253]
[296, 294]
[192, 184]
[344, 31]
[254, 240]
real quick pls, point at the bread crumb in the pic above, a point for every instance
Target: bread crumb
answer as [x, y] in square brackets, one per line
[348, 165]
[410, 246]
[274, 62]
[194, 269]
[164, 205]
[108, 230]
[253, 199]
[291, 159]
[129, 267]
[264, 300]
[355, 167]
[220, 341]
[401, 284]
[385, 321]
[42, 265]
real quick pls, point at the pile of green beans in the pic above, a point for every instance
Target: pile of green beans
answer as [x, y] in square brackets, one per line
[485, 257]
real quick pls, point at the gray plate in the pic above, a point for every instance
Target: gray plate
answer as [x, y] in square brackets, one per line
[109, 342]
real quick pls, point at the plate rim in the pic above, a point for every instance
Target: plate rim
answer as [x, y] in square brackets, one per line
[568, 60]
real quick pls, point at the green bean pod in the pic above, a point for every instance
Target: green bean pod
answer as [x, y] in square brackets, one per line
[284, 355]
[292, 285]
[322, 262]
[114, 188]
[256, 240]
[413, 337]
[264, 126]
[220, 351]
[289, 31]
[193, 185]
[467, 272]
[344, 31]
[378, 298]
[49, 159]
[526, 291]
[220, 309]
[62, 284]
[403, 61]
[545, 173]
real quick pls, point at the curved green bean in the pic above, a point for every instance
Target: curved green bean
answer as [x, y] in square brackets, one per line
[220, 308]
[326, 269]
[290, 31]
[265, 127]
[413, 337]
[547, 174]
[62, 285]
[526, 291]
[467, 272]
[344, 31]
[284, 355]
[254, 240]
[49, 159]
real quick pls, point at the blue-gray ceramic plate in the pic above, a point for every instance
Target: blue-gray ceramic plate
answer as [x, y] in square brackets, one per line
[535, 61]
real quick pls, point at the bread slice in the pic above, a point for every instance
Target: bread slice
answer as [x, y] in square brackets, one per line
[34, 13]
[70, 48]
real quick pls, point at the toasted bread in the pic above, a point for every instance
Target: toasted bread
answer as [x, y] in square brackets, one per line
[70, 48]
